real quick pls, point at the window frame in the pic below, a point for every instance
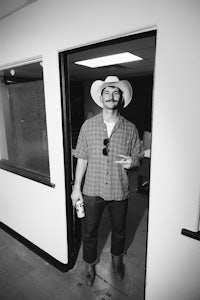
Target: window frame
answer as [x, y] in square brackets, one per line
[4, 164]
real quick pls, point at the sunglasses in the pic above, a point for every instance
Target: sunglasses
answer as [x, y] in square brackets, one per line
[106, 144]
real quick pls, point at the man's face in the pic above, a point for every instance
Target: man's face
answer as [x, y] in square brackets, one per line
[111, 97]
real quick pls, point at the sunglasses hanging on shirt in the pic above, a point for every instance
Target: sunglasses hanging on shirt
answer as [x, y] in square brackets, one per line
[106, 149]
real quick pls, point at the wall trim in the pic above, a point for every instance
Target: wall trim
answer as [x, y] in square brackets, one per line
[38, 251]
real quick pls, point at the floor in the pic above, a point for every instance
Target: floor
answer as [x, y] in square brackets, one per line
[26, 276]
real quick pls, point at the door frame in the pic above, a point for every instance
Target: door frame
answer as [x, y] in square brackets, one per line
[67, 129]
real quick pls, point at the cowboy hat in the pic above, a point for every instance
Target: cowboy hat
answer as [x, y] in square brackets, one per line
[124, 85]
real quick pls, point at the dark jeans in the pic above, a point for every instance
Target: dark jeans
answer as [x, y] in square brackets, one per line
[94, 207]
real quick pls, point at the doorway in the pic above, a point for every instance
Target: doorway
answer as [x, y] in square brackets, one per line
[77, 106]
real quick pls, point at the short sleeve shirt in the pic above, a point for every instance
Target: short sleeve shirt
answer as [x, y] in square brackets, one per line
[104, 177]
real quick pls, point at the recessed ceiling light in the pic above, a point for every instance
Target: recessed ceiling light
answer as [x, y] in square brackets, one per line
[109, 60]
[12, 72]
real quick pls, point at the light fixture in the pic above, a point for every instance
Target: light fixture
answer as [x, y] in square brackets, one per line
[109, 60]
[12, 72]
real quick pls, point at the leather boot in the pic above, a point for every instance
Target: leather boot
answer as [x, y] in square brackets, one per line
[89, 274]
[118, 267]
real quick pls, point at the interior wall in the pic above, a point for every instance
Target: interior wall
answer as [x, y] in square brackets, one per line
[48, 26]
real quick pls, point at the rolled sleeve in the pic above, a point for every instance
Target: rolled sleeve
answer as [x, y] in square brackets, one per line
[136, 149]
[81, 150]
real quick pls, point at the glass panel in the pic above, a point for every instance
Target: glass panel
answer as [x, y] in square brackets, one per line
[23, 132]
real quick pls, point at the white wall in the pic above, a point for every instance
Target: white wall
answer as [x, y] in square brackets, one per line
[48, 26]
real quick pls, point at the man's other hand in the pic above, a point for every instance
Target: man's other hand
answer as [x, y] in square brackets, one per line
[126, 161]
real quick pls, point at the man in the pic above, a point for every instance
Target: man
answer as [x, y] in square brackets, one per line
[108, 146]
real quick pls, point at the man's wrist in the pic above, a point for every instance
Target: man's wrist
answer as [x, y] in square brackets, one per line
[76, 187]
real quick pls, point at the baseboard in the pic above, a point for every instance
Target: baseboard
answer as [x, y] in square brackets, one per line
[44, 255]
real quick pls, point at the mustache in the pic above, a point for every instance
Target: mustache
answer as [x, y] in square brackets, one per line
[112, 100]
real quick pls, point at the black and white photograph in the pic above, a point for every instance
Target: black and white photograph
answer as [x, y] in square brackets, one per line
[99, 150]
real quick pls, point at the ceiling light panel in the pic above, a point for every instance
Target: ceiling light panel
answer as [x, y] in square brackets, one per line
[109, 60]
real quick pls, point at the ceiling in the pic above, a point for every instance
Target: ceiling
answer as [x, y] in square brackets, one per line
[143, 46]
[23, 73]
[8, 7]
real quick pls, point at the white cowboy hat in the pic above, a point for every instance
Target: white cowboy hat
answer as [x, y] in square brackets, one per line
[123, 85]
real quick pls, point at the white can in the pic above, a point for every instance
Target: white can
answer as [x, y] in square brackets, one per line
[80, 209]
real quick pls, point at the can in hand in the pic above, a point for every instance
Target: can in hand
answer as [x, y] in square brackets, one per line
[80, 208]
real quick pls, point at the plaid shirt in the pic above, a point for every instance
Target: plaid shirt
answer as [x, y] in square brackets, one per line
[104, 177]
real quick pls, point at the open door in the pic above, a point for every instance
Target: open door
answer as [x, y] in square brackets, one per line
[78, 106]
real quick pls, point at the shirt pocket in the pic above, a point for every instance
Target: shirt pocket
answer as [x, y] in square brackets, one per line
[123, 146]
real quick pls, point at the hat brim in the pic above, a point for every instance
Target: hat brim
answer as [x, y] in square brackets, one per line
[123, 85]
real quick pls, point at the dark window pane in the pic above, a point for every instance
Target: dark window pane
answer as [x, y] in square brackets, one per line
[23, 132]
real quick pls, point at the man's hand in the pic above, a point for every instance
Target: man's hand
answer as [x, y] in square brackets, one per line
[75, 196]
[126, 161]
